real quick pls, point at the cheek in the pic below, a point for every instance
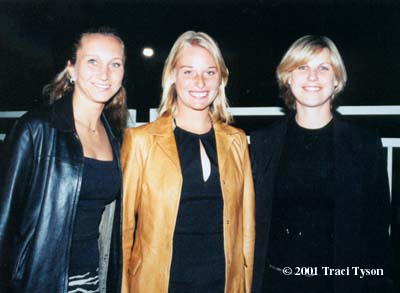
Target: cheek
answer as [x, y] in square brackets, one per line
[213, 84]
[182, 83]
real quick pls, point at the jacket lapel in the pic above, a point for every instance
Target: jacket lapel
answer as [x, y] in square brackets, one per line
[347, 190]
[224, 140]
[165, 138]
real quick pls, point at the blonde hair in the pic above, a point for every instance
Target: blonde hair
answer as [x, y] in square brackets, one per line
[116, 108]
[300, 52]
[219, 108]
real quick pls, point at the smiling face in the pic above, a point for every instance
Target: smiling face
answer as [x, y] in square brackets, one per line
[99, 68]
[197, 79]
[313, 83]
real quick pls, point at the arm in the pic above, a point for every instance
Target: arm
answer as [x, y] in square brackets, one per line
[248, 216]
[15, 176]
[377, 218]
[132, 166]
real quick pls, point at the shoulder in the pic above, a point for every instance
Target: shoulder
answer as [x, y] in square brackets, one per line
[34, 122]
[276, 129]
[357, 134]
[226, 130]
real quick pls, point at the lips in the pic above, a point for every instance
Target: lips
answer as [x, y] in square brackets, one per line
[102, 86]
[198, 94]
[312, 88]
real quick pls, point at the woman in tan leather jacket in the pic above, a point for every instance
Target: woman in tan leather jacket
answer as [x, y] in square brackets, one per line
[188, 217]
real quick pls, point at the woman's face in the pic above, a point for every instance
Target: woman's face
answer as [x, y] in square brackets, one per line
[197, 79]
[99, 68]
[313, 83]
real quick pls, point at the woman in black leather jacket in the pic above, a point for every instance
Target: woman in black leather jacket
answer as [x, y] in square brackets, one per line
[60, 183]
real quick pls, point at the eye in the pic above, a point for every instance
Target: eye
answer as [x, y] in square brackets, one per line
[187, 72]
[116, 65]
[211, 73]
[324, 68]
[92, 61]
[302, 67]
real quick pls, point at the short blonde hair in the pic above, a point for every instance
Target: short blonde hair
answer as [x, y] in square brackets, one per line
[300, 52]
[219, 108]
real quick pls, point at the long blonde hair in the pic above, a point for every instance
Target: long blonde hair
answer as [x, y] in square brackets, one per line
[219, 108]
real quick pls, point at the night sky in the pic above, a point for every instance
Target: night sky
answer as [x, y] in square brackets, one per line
[36, 38]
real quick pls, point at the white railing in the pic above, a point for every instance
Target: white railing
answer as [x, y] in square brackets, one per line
[388, 143]
[16, 114]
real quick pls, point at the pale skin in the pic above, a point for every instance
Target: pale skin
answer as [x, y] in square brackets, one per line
[97, 75]
[197, 80]
[313, 84]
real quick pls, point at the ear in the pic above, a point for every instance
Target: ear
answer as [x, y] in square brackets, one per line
[71, 70]
[290, 79]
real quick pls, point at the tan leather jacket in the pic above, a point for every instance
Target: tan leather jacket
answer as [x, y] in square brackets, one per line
[152, 187]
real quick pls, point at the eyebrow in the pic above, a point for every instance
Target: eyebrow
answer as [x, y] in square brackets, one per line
[188, 66]
[97, 56]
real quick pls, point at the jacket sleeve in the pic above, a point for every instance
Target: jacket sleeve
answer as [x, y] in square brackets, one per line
[132, 166]
[248, 216]
[15, 173]
[377, 248]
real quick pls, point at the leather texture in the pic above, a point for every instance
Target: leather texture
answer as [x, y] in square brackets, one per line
[41, 174]
[153, 182]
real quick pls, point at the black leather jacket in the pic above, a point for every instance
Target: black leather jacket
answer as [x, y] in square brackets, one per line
[40, 180]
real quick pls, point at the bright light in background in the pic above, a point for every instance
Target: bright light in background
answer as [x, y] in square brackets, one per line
[148, 52]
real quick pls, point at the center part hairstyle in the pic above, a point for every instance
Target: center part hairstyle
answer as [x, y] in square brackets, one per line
[115, 109]
[299, 53]
[219, 107]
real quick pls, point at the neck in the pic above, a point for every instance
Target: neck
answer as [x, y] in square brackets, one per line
[86, 112]
[197, 122]
[313, 118]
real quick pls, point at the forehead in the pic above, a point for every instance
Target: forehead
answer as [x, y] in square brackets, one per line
[320, 55]
[102, 45]
[195, 56]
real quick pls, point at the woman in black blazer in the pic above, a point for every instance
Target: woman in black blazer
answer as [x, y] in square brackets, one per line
[321, 186]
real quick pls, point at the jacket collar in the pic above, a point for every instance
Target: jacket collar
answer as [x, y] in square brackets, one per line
[62, 116]
[163, 128]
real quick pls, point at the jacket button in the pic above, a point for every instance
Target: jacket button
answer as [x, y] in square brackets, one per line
[287, 231]
[227, 222]
[223, 182]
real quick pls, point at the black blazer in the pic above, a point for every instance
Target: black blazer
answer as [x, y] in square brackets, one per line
[362, 204]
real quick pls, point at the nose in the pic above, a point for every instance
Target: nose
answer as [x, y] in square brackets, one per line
[313, 74]
[104, 73]
[199, 81]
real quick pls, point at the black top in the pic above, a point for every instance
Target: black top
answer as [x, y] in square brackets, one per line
[198, 262]
[302, 222]
[361, 198]
[100, 185]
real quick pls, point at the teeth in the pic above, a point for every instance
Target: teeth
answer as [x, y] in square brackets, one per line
[312, 88]
[199, 94]
[102, 86]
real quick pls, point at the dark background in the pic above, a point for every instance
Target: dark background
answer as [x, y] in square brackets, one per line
[36, 38]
